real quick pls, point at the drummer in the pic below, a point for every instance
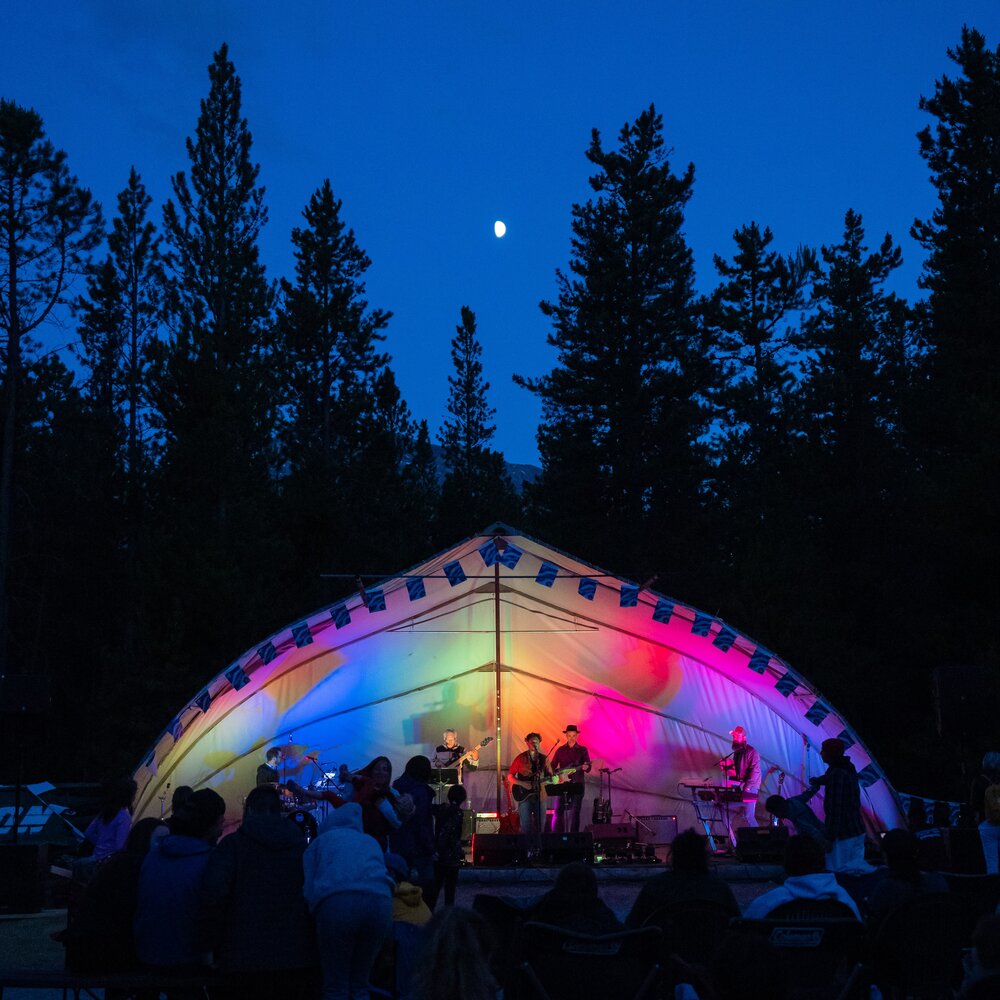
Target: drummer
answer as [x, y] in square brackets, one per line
[450, 750]
[267, 773]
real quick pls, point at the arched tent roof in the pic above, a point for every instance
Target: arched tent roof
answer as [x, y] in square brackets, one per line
[654, 685]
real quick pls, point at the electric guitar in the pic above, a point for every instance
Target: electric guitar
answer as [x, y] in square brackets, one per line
[521, 789]
[465, 756]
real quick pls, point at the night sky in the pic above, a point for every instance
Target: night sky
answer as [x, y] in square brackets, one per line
[432, 120]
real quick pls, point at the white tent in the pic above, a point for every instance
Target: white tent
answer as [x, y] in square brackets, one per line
[498, 636]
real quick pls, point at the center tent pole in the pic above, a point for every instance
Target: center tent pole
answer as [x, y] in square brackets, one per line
[500, 545]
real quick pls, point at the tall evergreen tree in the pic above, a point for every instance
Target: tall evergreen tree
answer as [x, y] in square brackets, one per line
[626, 409]
[477, 489]
[48, 226]
[213, 392]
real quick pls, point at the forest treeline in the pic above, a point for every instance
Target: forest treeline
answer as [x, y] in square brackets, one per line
[800, 451]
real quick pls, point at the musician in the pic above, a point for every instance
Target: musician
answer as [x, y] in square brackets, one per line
[267, 773]
[527, 771]
[447, 752]
[575, 755]
[745, 766]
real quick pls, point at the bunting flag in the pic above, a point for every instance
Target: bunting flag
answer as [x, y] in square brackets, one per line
[867, 776]
[663, 610]
[510, 556]
[267, 652]
[547, 574]
[587, 588]
[725, 639]
[301, 634]
[846, 738]
[415, 588]
[376, 599]
[176, 729]
[340, 615]
[760, 659]
[454, 572]
[786, 684]
[817, 713]
[490, 553]
[629, 597]
[702, 624]
[237, 676]
[204, 700]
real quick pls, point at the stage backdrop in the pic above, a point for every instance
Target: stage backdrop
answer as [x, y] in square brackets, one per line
[653, 684]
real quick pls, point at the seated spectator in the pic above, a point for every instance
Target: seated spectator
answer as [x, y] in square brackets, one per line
[448, 844]
[805, 879]
[688, 880]
[349, 893]
[574, 905]
[263, 936]
[904, 880]
[798, 813]
[99, 936]
[983, 963]
[455, 931]
[108, 830]
[168, 935]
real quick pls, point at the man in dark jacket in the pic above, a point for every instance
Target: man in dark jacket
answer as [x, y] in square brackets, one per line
[845, 832]
[251, 901]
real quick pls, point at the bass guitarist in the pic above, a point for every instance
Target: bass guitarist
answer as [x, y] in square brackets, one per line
[448, 752]
[525, 776]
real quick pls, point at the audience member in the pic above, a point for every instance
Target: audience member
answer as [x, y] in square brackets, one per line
[456, 931]
[689, 880]
[108, 830]
[983, 963]
[349, 893]
[845, 832]
[263, 936]
[414, 840]
[99, 936]
[574, 905]
[168, 933]
[408, 905]
[448, 845]
[805, 879]
[795, 809]
[904, 879]
[985, 800]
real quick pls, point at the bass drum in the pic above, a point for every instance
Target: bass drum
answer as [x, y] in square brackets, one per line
[306, 823]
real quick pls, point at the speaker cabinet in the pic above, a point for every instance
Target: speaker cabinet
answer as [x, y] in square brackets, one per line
[761, 843]
[562, 848]
[609, 832]
[499, 850]
[656, 830]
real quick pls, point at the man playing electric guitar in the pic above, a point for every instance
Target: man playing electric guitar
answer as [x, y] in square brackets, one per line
[572, 758]
[525, 776]
[451, 753]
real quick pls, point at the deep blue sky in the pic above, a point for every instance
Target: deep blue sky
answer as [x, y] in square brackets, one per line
[433, 119]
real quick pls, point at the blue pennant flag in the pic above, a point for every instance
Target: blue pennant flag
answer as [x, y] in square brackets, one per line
[629, 596]
[867, 776]
[846, 738]
[204, 700]
[376, 599]
[759, 661]
[454, 572]
[415, 588]
[817, 713]
[786, 684]
[267, 652]
[176, 729]
[340, 615]
[237, 676]
[663, 610]
[301, 634]
[702, 624]
[725, 639]
[510, 556]
[547, 574]
[587, 588]
[489, 552]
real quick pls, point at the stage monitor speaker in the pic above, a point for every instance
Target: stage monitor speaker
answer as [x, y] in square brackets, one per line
[610, 832]
[562, 848]
[499, 850]
[22, 877]
[657, 830]
[761, 843]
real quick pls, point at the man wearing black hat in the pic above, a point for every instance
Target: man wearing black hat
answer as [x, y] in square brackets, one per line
[845, 831]
[526, 773]
[571, 755]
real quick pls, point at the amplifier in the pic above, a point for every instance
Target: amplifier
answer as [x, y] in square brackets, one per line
[656, 829]
[562, 848]
[499, 850]
[761, 843]
[485, 824]
[605, 832]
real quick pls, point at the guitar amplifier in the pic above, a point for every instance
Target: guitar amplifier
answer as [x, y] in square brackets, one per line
[499, 850]
[608, 833]
[485, 824]
[656, 830]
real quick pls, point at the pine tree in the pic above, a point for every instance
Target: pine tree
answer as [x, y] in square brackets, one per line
[477, 489]
[48, 226]
[626, 408]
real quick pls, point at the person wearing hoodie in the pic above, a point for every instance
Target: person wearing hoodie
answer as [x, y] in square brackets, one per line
[845, 832]
[168, 933]
[414, 840]
[349, 892]
[263, 936]
[805, 879]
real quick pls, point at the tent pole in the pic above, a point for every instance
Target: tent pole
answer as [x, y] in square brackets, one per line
[497, 677]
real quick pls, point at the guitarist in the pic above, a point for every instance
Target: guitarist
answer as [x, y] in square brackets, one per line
[571, 755]
[451, 750]
[526, 772]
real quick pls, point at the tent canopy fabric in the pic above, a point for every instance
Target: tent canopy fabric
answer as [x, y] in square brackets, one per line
[654, 685]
